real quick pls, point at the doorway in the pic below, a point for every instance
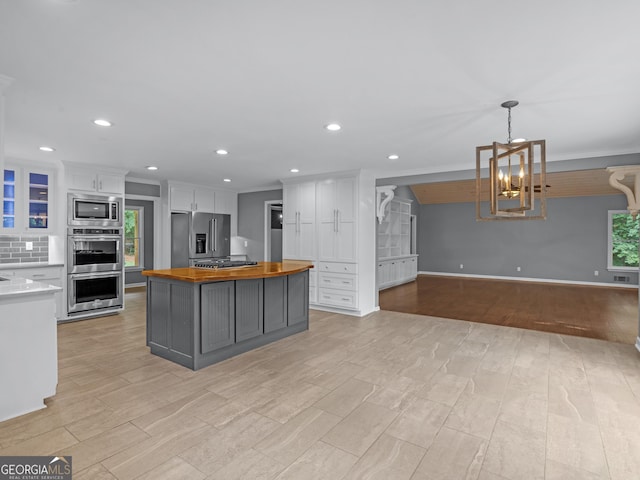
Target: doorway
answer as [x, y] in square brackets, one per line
[138, 240]
[273, 231]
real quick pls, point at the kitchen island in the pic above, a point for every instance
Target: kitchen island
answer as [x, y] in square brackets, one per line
[199, 316]
[28, 345]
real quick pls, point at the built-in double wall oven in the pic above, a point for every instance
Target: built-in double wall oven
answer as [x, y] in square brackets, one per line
[94, 254]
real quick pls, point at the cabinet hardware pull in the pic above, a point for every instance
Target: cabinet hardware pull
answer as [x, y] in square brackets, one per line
[93, 184]
[100, 185]
[346, 299]
[345, 282]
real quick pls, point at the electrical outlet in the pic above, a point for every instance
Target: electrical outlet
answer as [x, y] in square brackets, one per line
[246, 243]
[28, 246]
[596, 273]
[518, 269]
[461, 266]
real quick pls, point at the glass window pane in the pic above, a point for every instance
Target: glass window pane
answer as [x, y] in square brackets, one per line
[8, 202]
[38, 200]
[624, 241]
[38, 179]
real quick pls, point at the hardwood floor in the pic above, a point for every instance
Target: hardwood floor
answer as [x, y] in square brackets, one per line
[586, 311]
[387, 396]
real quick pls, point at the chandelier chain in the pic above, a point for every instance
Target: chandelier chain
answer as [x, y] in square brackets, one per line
[509, 126]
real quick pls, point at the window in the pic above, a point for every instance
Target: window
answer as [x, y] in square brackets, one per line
[623, 241]
[133, 237]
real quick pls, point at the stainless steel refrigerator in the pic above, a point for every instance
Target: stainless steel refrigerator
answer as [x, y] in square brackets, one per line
[198, 236]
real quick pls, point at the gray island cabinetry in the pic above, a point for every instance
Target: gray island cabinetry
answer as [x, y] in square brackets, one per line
[197, 317]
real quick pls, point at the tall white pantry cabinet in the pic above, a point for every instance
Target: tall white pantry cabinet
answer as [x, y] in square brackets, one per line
[327, 220]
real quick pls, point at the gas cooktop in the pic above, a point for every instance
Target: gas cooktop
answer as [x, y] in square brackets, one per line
[215, 264]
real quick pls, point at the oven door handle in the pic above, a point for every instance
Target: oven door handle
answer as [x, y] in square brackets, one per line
[95, 237]
[111, 273]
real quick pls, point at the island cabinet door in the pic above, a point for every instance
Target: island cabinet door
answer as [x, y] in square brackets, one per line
[217, 315]
[298, 298]
[249, 308]
[158, 314]
[275, 303]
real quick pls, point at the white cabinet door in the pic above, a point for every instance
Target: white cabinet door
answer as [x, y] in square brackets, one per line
[205, 200]
[82, 180]
[181, 198]
[225, 202]
[107, 183]
[337, 207]
[299, 235]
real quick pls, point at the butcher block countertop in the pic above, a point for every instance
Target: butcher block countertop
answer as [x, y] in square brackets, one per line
[261, 270]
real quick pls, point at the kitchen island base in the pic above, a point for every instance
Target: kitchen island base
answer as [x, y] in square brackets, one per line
[202, 323]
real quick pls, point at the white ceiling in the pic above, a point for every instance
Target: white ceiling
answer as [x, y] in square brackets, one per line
[420, 78]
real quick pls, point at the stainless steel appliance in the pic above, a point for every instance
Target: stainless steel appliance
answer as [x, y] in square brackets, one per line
[196, 236]
[95, 254]
[94, 249]
[94, 291]
[94, 210]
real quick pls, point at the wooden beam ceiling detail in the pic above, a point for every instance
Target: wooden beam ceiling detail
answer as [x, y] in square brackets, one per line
[577, 183]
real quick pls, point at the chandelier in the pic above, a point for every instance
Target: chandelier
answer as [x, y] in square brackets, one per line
[513, 169]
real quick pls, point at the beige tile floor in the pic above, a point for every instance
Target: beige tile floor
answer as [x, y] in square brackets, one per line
[388, 396]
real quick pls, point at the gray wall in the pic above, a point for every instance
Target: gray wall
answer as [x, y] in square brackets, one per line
[569, 245]
[251, 220]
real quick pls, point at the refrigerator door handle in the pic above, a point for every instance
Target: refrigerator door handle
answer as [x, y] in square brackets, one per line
[215, 234]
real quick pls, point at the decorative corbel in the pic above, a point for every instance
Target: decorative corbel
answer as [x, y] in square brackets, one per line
[381, 203]
[633, 197]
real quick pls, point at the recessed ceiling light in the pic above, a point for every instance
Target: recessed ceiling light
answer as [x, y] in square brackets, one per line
[152, 167]
[227, 179]
[333, 127]
[101, 122]
[294, 170]
[44, 148]
[393, 157]
[518, 140]
[221, 151]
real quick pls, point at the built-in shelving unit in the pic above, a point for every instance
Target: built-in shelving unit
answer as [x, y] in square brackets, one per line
[396, 263]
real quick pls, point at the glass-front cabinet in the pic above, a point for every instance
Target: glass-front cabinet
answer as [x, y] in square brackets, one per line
[26, 199]
[9, 199]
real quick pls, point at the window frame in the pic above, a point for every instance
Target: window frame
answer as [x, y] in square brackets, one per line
[140, 238]
[610, 265]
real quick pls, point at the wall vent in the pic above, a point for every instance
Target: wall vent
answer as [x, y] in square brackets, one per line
[621, 278]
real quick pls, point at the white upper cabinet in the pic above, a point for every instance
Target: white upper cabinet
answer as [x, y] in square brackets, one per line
[90, 181]
[337, 212]
[192, 198]
[28, 194]
[299, 212]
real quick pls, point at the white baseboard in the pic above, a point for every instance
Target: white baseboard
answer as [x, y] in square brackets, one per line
[530, 279]
[353, 313]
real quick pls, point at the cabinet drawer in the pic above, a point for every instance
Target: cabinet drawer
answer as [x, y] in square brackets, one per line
[37, 274]
[338, 280]
[337, 298]
[338, 267]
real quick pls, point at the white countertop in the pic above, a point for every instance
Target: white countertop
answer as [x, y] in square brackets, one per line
[16, 287]
[14, 266]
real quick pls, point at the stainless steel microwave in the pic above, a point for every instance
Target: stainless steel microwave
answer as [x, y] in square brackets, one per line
[94, 210]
